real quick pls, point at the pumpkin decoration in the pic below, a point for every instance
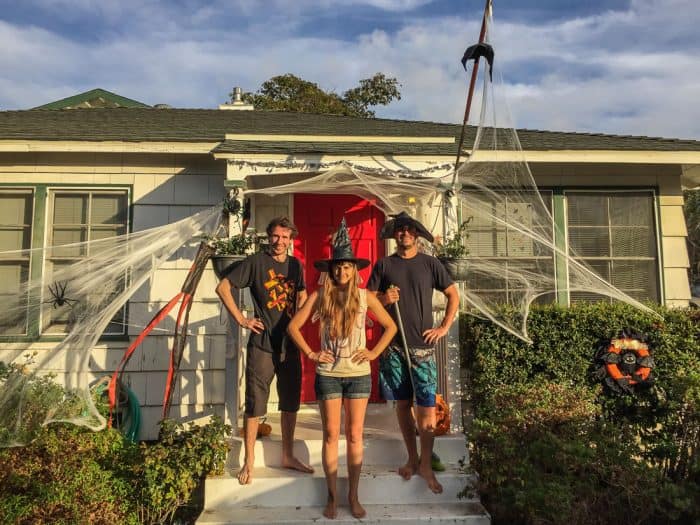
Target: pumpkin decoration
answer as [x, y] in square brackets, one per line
[264, 429]
[442, 416]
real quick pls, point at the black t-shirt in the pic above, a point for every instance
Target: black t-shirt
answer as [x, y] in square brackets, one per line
[416, 278]
[273, 287]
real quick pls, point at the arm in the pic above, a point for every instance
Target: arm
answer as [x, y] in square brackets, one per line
[294, 331]
[433, 335]
[301, 299]
[376, 307]
[223, 290]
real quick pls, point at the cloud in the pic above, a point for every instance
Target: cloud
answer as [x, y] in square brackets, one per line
[616, 71]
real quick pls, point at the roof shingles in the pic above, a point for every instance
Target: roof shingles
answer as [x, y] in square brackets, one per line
[206, 125]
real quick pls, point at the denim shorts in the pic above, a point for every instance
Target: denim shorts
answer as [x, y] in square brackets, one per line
[329, 387]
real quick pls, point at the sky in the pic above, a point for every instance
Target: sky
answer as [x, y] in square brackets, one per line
[626, 67]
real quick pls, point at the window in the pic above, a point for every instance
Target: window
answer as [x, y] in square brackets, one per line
[615, 234]
[16, 209]
[492, 242]
[72, 216]
[79, 217]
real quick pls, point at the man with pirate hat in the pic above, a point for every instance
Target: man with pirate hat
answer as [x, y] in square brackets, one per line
[404, 284]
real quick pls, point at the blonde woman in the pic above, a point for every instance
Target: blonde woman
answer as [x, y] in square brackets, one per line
[342, 371]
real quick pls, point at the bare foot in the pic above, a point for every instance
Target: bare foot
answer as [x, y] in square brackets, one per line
[295, 464]
[357, 510]
[408, 470]
[245, 475]
[429, 476]
[330, 512]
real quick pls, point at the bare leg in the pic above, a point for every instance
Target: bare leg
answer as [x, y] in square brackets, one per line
[408, 430]
[330, 420]
[355, 410]
[426, 430]
[250, 432]
[289, 421]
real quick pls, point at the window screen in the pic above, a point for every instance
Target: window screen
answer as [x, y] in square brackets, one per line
[615, 235]
[492, 241]
[77, 217]
[16, 210]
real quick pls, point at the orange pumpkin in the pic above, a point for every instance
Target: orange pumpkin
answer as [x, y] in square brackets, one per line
[442, 416]
[264, 429]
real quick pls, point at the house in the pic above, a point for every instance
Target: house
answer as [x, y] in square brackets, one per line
[154, 166]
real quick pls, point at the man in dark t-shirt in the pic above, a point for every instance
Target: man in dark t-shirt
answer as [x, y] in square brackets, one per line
[276, 283]
[408, 278]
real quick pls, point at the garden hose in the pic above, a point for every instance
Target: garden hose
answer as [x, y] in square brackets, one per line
[129, 423]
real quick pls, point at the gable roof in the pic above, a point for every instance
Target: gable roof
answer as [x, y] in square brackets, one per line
[271, 131]
[95, 98]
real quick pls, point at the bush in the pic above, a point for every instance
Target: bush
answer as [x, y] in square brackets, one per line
[552, 445]
[70, 475]
[175, 465]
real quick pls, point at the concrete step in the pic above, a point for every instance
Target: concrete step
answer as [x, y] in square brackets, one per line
[452, 449]
[467, 513]
[379, 484]
[383, 442]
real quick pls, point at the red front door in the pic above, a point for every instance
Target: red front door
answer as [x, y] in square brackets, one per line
[317, 217]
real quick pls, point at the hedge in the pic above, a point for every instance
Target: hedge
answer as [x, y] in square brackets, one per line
[552, 444]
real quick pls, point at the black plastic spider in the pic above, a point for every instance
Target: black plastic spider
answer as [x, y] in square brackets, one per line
[58, 294]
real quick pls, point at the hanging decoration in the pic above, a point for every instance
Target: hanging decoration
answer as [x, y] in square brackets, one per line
[625, 362]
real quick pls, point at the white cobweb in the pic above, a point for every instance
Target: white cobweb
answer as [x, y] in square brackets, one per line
[515, 251]
[79, 302]
[515, 246]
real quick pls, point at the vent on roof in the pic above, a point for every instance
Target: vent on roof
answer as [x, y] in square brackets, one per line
[237, 102]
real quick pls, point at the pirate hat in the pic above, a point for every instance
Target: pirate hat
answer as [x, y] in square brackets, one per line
[341, 251]
[401, 220]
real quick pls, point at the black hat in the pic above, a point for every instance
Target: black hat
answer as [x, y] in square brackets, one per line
[401, 220]
[342, 251]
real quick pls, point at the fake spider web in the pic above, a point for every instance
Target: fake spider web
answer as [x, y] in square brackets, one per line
[79, 303]
[514, 253]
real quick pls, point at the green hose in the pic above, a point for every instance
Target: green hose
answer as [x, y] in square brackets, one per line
[128, 420]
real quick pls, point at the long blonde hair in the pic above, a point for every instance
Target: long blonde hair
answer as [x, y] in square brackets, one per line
[338, 309]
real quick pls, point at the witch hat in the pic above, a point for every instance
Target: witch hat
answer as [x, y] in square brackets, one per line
[342, 251]
[399, 221]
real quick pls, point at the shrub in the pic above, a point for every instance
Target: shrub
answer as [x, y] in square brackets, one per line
[175, 465]
[552, 445]
[70, 475]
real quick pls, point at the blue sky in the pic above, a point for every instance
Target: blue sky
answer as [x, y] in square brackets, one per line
[625, 67]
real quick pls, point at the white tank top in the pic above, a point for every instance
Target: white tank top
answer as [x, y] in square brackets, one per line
[343, 349]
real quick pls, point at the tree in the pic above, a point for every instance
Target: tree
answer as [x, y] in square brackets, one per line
[291, 93]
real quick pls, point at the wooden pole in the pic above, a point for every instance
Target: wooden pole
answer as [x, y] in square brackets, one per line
[470, 94]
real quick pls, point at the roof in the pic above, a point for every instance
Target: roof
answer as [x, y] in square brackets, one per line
[212, 125]
[95, 98]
